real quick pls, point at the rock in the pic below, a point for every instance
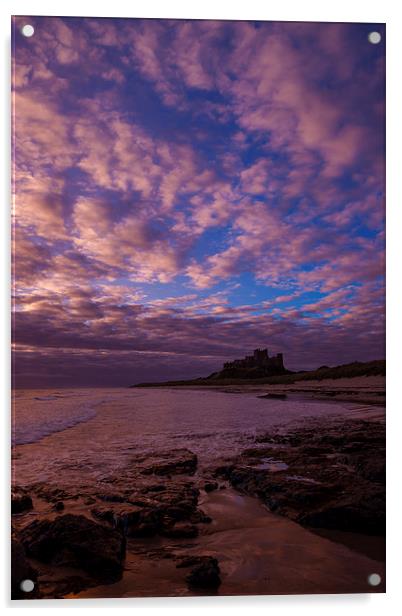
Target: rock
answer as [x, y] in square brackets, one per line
[59, 506]
[179, 461]
[76, 541]
[210, 486]
[205, 572]
[132, 499]
[156, 487]
[372, 469]
[189, 561]
[362, 514]
[199, 517]
[313, 450]
[119, 515]
[335, 476]
[223, 470]
[112, 498]
[51, 493]
[149, 510]
[144, 529]
[177, 513]
[352, 504]
[89, 500]
[177, 503]
[21, 570]
[20, 501]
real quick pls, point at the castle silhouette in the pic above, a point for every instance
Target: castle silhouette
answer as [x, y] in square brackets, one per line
[259, 359]
[254, 366]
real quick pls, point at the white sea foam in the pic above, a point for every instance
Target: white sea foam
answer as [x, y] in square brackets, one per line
[36, 414]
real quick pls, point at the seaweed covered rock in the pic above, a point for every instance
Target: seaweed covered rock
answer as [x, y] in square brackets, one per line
[76, 541]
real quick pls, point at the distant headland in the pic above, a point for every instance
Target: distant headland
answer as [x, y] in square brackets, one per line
[260, 368]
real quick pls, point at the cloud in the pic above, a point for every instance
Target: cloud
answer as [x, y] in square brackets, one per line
[129, 245]
[184, 191]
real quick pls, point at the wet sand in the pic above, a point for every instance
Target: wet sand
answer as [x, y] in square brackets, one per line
[258, 553]
[358, 390]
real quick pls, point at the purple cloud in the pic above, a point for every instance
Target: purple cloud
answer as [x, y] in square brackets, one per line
[187, 190]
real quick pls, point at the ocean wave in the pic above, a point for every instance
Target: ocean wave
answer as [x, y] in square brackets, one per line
[34, 421]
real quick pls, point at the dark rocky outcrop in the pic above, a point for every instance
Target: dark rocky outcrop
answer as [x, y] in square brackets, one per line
[21, 501]
[180, 461]
[329, 475]
[204, 574]
[21, 570]
[120, 515]
[153, 495]
[75, 541]
[52, 493]
[170, 512]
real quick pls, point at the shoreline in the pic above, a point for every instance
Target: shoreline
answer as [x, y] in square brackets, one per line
[180, 510]
[248, 540]
[368, 390]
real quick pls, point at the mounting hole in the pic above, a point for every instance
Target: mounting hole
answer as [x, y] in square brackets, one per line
[374, 579]
[374, 38]
[28, 30]
[27, 585]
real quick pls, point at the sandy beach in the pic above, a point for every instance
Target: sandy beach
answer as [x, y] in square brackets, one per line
[368, 390]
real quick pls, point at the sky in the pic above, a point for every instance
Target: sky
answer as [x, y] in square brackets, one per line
[187, 191]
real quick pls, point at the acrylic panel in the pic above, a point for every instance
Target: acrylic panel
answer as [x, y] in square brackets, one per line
[198, 309]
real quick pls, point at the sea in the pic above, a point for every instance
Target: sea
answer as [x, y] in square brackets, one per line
[84, 434]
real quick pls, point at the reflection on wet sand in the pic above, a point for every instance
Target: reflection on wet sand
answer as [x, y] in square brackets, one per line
[258, 553]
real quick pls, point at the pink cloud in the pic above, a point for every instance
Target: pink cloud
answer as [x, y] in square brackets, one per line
[252, 184]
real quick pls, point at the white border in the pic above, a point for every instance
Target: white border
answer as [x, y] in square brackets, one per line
[388, 11]
[287, 10]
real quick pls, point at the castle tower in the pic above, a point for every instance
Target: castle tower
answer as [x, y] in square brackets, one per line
[279, 360]
[260, 356]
